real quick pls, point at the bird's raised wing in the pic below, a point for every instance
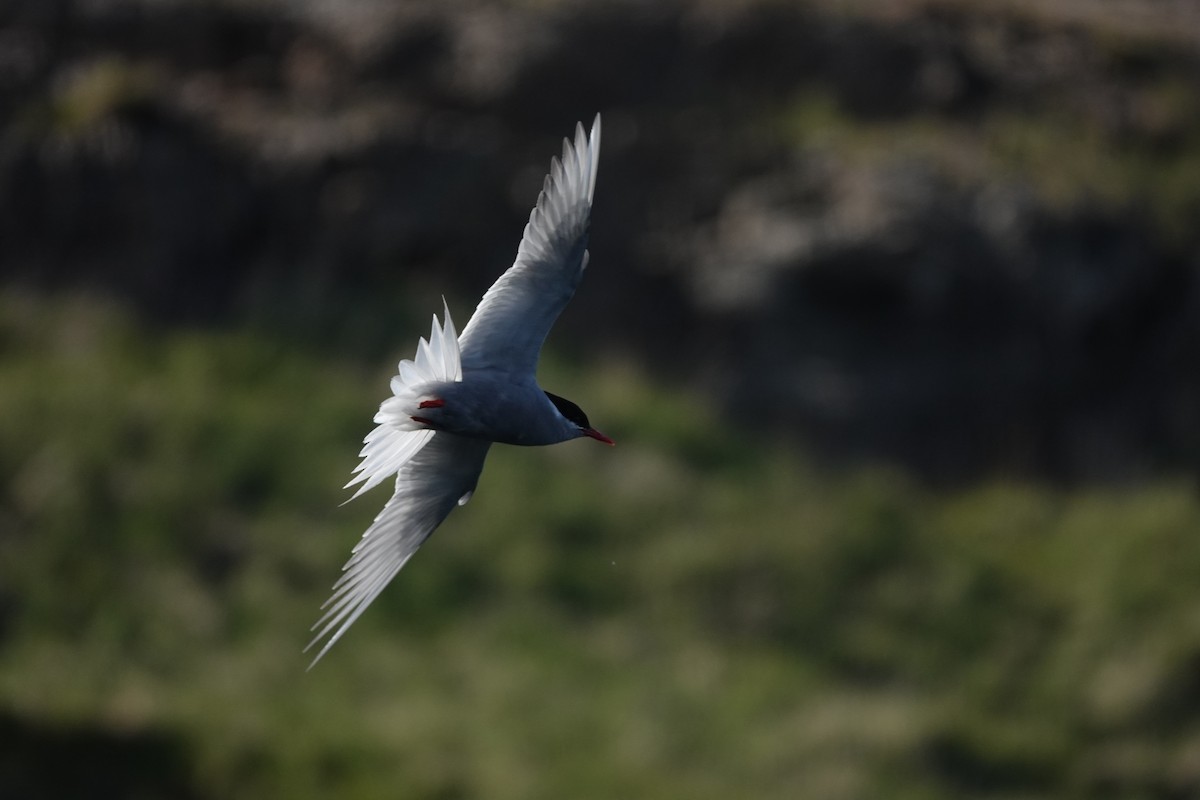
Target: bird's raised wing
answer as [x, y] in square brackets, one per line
[513, 318]
[429, 485]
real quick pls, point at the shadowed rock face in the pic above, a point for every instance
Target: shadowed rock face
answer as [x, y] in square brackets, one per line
[839, 216]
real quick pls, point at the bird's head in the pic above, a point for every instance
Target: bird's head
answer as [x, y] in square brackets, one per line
[575, 416]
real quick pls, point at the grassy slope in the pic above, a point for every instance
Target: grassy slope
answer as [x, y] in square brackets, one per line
[684, 616]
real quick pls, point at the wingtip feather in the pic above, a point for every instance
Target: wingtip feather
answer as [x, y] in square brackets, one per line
[594, 156]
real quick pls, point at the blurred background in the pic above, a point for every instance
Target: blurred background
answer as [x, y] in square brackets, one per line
[894, 312]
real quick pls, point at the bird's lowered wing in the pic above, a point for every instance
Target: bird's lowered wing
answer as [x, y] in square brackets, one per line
[514, 316]
[438, 477]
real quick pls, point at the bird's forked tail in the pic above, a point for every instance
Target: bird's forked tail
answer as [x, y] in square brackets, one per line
[398, 437]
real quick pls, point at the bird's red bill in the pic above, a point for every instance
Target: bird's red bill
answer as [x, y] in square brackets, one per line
[598, 436]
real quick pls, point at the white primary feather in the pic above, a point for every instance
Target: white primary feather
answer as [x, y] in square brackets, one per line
[428, 488]
[513, 318]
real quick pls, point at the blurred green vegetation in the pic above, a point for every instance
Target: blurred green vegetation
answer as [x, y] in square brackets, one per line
[690, 614]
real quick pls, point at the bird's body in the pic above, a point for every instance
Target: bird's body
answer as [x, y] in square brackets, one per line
[462, 394]
[498, 407]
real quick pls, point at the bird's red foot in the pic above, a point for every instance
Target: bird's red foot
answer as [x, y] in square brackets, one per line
[437, 402]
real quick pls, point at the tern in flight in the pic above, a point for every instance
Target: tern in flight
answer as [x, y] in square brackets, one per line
[461, 394]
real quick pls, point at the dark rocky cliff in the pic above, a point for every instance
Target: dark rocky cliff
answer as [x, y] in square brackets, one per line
[960, 236]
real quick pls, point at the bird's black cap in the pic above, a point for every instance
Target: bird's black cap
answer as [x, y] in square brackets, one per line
[569, 410]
